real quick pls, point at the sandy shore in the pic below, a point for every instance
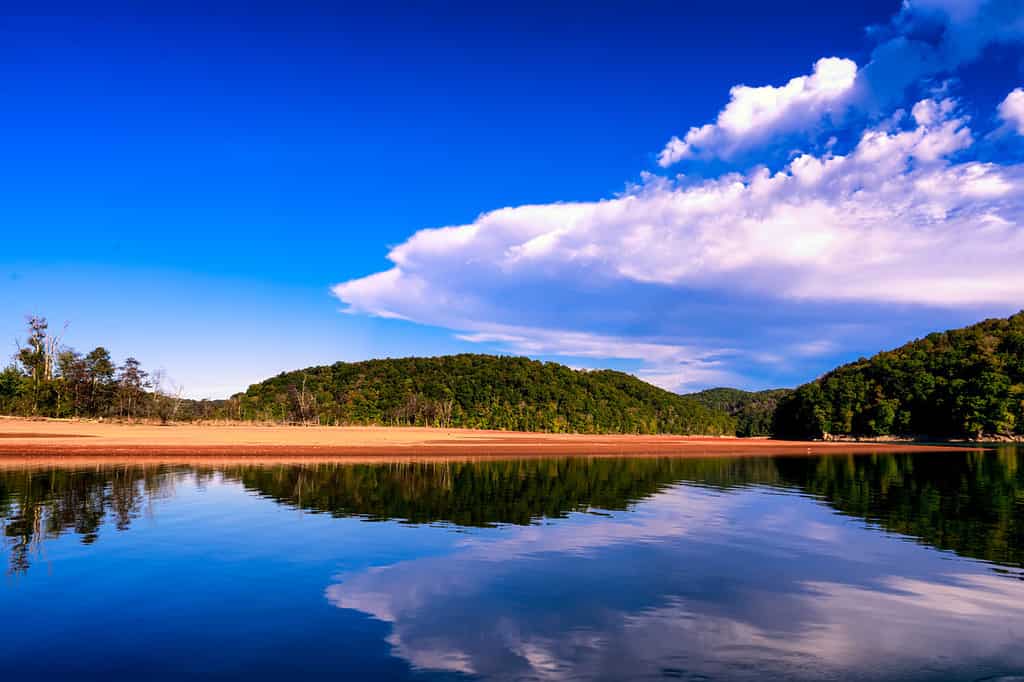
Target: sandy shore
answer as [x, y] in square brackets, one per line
[22, 438]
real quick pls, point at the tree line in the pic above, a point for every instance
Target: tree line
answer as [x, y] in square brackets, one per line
[752, 410]
[49, 379]
[962, 383]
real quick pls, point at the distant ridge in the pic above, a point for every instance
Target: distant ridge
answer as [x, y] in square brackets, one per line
[752, 410]
[477, 391]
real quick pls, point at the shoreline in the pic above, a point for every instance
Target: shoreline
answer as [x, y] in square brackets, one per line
[88, 440]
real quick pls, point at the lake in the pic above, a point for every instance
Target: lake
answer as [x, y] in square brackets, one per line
[870, 567]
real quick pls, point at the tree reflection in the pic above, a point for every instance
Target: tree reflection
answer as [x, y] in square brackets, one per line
[36, 504]
[488, 493]
[971, 503]
[967, 502]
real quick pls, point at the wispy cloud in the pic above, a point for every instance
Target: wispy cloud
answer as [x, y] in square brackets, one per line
[671, 366]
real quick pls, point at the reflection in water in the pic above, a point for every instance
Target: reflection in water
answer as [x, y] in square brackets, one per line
[487, 493]
[696, 585]
[36, 504]
[967, 502]
[788, 567]
[41, 503]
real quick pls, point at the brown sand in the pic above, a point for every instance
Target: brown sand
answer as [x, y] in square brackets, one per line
[22, 439]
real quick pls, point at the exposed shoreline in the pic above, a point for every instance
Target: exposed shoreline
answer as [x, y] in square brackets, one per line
[90, 441]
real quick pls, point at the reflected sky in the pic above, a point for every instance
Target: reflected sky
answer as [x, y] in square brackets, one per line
[565, 569]
[747, 584]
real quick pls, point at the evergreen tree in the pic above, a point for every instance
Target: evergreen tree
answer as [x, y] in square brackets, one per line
[99, 372]
[132, 383]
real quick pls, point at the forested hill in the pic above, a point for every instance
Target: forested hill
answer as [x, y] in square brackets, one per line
[476, 391]
[752, 410]
[965, 382]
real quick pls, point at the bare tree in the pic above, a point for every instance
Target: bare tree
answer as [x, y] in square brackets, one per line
[300, 405]
[166, 396]
[444, 412]
[39, 355]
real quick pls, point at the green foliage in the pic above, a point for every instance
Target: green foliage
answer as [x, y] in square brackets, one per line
[477, 391]
[753, 411]
[12, 383]
[963, 383]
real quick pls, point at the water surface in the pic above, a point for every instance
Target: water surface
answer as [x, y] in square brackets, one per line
[869, 567]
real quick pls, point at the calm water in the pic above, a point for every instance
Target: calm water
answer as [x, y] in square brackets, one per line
[887, 566]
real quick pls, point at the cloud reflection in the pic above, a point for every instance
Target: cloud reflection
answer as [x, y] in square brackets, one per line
[749, 584]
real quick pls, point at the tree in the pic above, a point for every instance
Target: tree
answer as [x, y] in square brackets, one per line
[166, 396]
[11, 386]
[132, 383]
[302, 404]
[39, 358]
[73, 384]
[99, 372]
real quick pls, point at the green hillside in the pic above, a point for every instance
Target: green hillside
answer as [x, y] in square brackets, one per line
[752, 410]
[960, 383]
[476, 391]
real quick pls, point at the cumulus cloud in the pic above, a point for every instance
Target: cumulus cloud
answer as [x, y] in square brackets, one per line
[926, 38]
[705, 282]
[891, 208]
[755, 114]
[1011, 110]
[897, 220]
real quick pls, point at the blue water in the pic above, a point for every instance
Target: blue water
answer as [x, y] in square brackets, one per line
[880, 567]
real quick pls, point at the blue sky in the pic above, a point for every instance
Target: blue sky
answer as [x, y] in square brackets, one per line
[208, 190]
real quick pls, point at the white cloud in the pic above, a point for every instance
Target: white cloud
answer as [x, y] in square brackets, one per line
[755, 114]
[894, 221]
[1011, 110]
[818, 220]
[656, 275]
